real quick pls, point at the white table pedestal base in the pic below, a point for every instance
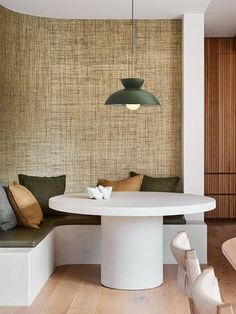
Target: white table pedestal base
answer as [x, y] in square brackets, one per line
[132, 252]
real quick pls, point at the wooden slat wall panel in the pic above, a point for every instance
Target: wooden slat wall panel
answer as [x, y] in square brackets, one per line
[220, 125]
[227, 113]
[220, 184]
[225, 208]
[211, 102]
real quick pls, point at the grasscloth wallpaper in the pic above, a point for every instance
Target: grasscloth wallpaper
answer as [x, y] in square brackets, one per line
[55, 78]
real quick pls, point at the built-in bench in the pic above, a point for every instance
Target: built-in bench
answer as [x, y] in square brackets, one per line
[29, 256]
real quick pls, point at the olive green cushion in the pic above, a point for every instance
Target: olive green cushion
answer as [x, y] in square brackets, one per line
[43, 188]
[168, 184]
[174, 220]
[151, 184]
[24, 237]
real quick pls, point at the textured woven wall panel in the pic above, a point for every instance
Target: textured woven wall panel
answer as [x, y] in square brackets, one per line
[55, 78]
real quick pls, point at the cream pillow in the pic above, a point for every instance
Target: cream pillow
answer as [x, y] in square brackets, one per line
[25, 205]
[129, 184]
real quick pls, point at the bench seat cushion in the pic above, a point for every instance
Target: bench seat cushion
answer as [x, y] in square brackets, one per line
[25, 237]
[174, 220]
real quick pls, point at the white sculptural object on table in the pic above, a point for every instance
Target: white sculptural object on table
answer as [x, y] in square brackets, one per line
[100, 192]
[106, 191]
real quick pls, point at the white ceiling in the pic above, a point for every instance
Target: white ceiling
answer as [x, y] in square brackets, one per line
[107, 9]
[220, 17]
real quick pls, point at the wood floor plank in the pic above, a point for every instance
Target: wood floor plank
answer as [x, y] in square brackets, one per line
[62, 296]
[163, 298]
[6, 310]
[181, 303]
[110, 299]
[136, 302]
[86, 298]
[46, 292]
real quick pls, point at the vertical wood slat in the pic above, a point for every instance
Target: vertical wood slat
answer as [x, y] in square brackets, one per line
[220, 184]
[220, 125]
[225, 207]
[211, 101]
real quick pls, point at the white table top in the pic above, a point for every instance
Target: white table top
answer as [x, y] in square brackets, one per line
[133, 204]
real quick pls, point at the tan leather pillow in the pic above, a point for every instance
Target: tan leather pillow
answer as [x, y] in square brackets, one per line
[129, 184]
[25, 205]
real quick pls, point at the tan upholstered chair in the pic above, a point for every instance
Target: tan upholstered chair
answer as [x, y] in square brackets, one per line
[206, 294]
[229, 251]
[188, 265]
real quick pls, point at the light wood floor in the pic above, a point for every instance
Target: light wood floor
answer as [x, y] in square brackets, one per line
[76, 289]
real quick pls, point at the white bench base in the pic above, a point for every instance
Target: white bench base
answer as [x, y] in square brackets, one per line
[24, 271]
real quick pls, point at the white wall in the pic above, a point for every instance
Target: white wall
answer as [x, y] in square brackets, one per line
[193, 106]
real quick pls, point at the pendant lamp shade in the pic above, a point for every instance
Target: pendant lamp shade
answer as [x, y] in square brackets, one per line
[132, 94]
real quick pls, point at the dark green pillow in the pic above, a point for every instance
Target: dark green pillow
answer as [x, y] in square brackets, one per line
[168, 184]
[43, 188]
[151, 184]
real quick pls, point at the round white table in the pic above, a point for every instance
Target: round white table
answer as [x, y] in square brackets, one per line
[132, 231]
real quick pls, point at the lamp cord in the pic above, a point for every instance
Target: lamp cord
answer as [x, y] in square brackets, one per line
[133, 37]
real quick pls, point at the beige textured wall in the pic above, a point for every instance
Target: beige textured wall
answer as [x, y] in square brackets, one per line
[55, 76]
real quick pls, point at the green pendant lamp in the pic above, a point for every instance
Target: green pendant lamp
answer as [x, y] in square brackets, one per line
[132, 96]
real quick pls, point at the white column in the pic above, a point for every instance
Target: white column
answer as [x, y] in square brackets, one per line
[193, 106]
